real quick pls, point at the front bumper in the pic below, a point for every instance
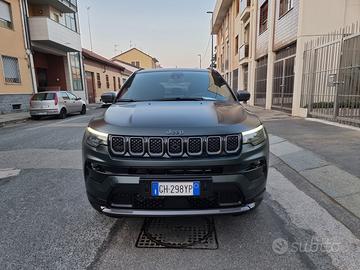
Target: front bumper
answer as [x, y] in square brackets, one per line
[121, 187]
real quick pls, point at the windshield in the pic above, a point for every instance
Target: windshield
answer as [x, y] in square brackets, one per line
[176, 85]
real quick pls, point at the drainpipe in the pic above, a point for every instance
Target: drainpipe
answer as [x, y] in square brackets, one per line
[27, 42]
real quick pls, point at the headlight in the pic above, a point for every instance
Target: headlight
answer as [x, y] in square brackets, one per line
[254, 136]
[95, 138]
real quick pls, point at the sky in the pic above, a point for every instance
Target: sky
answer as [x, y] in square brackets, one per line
[175, 32]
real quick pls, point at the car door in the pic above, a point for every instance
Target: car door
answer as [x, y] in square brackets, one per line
[76, 103]
[66, 101]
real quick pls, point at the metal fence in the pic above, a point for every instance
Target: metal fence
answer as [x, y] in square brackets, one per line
[331, 76]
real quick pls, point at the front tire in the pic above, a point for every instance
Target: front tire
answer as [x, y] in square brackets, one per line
[63, 113]
[83, 110]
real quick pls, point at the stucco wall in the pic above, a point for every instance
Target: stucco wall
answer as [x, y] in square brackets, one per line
[12, 44]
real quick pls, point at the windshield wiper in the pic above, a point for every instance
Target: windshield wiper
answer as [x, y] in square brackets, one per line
[127, 100]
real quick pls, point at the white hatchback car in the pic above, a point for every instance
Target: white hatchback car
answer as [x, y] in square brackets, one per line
[60, 103]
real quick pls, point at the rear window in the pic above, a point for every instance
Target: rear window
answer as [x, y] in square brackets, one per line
[44, 96]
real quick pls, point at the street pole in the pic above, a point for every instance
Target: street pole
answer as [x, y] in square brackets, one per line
[88, 13]
[200, 59]
[212, 39]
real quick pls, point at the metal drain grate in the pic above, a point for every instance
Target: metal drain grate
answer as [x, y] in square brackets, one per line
[184, 233]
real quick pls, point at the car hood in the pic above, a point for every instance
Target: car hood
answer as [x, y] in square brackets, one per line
[187, 117]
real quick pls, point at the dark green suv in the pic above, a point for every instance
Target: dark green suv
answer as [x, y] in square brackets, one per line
[176, 142]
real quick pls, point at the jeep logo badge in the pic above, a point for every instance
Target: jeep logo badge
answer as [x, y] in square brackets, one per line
[172, 132]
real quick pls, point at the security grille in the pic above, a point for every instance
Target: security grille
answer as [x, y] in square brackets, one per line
[260, 82]
[11, 69]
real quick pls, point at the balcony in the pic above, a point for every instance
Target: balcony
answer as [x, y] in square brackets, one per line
[244, 51]
[49, 33]
[245, 10]
[64, 6]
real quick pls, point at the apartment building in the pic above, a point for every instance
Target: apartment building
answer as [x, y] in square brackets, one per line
[261, 44]
[138, 58]
[42, 51]
[15, 75]
[102, 75]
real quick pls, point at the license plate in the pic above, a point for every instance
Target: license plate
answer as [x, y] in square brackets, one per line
[175, 189]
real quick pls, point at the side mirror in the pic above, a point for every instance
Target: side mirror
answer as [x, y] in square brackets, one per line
[78, 98]
[243, 95]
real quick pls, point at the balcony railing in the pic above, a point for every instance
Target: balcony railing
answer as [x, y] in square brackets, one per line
[244, 51]
[64, 6]
[52, 34]
[245, 9]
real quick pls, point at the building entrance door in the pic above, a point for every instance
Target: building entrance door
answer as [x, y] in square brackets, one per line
[90, 86]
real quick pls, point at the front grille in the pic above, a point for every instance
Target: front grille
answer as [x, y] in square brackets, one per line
[136, 146]
[118, 144]
[168, 147]
[214, 145]
[195, 146]
[232, 143]
[156, 146]
[175, 146]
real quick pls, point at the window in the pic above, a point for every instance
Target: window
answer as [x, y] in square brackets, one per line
[285, 6]
[72, 96]
[64, 96]
[136, 63]
[107, 82]
[70, 21]
[43, 96]
[114, 81]
[263, 17]
[236, 45]
[98, 80]
[119, 82]
[11, 69]
[76, 71]
[177, 84]
[5, 15]
[237, 6]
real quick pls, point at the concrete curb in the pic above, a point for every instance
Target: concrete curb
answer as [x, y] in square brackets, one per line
[5, 122]
[339, 185]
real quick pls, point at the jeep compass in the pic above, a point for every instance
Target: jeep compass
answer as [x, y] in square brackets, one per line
[175, 142]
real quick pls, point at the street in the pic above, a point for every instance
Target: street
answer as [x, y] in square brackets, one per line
[47, 222]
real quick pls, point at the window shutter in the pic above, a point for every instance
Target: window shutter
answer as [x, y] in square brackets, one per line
[5, 13]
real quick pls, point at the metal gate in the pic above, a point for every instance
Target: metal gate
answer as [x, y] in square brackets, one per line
[283, 79]
[331, 77]
[260, 82]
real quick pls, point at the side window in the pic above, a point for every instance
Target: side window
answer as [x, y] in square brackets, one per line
[72, 96]
[64, 96]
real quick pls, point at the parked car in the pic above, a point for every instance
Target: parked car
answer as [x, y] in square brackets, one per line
[176, 142]
[108, 98]
[60, 103]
